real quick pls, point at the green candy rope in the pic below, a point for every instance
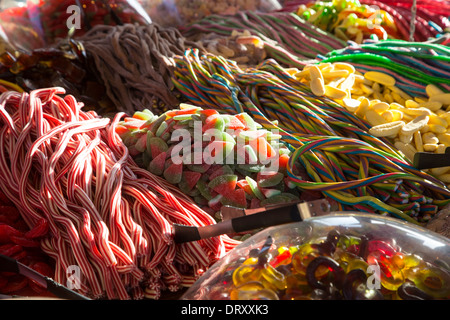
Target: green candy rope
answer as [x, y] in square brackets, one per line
[413, 64]
[380, 61]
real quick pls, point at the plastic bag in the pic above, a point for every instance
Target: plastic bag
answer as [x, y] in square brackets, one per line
[338, 256]
[18, 32]
[181, 12]
[39, 23]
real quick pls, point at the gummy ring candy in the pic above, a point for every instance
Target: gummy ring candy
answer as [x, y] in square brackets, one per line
[349, 288]
[355, 287]
[332, 265]
[303, 256]
[391, 277]
[246, 273]
[433, 281]
[408, 291]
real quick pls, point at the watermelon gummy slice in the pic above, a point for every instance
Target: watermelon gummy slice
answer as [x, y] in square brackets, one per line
[236, 198]
[220, 171]
[188, 180]
[279, 198]
[269, 193]
[214, 122]
[143, 115]
[217, 151]
[215, 203]
[223, 184]
[173, 173]
[155, 145]
[243, 184]
[156, 165]
[235, 123]
[269, 179]
[227, 156]
[254, 187]
[202, 168]
[141, 143]
[204, 190]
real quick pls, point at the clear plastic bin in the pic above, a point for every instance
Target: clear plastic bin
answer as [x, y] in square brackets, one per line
[338, 256]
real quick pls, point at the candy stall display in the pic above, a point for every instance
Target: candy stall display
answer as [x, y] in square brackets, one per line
[183, 12]
[95, 68]
[37, 23]
[283, 36]
[123, 122]
[221, 160]
[332, 143]
[332, 257]
[364, 19]
[71, 173]
[409, 106]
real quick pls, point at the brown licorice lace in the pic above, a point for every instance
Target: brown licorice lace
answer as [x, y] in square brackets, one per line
[135, 63]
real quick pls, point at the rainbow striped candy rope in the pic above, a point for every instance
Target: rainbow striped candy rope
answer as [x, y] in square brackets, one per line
[319, 131]
[333, 182]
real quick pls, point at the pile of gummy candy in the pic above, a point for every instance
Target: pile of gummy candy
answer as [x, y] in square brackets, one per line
[341, 266]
